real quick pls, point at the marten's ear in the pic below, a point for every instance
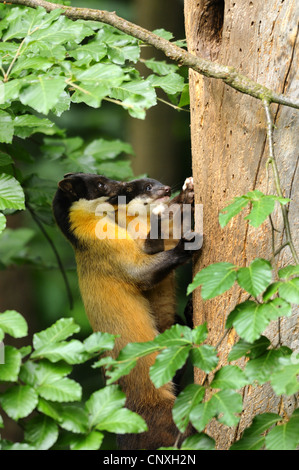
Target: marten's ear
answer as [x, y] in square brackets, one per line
[68, 185]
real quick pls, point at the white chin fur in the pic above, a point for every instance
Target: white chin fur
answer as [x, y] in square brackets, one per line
[159, 209]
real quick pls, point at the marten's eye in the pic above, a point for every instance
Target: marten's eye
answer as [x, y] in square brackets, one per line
[101, 185]
[148, 187]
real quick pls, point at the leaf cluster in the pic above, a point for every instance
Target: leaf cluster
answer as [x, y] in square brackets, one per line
[48, 63]
[40, 395]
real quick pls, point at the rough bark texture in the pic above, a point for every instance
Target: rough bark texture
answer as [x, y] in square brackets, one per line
[230, 151]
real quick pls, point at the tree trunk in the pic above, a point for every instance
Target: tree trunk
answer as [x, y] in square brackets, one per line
[229, 152]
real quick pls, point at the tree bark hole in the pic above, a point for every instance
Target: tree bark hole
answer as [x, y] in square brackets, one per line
[210, 27]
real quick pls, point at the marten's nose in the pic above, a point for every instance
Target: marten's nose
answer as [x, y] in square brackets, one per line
[167, 190]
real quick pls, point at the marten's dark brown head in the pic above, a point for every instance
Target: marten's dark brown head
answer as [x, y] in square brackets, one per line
[88, 186]
[76, 186]
[146, 191]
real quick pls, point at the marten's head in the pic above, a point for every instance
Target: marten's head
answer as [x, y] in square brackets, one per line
[88, 186]
[146, 191]
[76, 186]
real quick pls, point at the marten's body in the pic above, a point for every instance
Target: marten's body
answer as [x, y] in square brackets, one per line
[114, 275]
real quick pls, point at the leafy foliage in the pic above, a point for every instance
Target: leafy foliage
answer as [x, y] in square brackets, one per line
[48, 64]
[38, 385]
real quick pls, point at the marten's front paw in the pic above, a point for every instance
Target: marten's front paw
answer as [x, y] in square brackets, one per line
[188, 190]
[189, 243]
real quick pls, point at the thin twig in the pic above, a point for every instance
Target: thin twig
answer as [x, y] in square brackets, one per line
[229, 75]
[50, 241]
[272, 161]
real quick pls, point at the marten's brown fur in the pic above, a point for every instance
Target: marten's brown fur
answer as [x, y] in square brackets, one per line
[114, 275]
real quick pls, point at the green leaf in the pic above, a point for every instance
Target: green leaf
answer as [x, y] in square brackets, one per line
[19, 401]
[96, 83]
[285, 436]
[160, 67]
[171, 83]
[229, 377]
[256, 277]
[243, 348]
[261, 208]
[13, 242]
[27, 125]
[11, 193]
[215, 279]
[185, 96]
[9, 371]
[284, 378]
[86, 53]
[62, 30]
[42, 92]
[198, 442]
[13, 323]
[263, 367]
[290, 290]
[99, 342]
[167, 363]
[60, 330]
[204, 357]
[252, 438]
[270, 291]
[136, 96]
[162, 33]
[70, 416]
[5, 159]
[2, 222]
[51, 409]
[202, 414]
[17, 446]
[250, 319]
[103, 403]
[230, 211]
[184, 404]
[200, 333]
[92, 441]
[62, 390]
[227, 404]
[120, 54]
[6, 127]
[101, 149]
[288, 271]
[176, 335]
[73, 352]
[122, 421]
[31, 63]
[73, 418]
[41, 432]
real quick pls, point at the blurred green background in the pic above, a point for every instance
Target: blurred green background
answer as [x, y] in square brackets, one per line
[161, 144]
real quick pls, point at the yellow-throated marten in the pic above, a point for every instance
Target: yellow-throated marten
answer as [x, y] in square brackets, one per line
[114, 275]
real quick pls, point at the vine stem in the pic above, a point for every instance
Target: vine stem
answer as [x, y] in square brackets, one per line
[60, 264]
[273, 162]
[228, 74]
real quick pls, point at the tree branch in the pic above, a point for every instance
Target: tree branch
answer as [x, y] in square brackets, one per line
[272, 160]
[228, 75]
